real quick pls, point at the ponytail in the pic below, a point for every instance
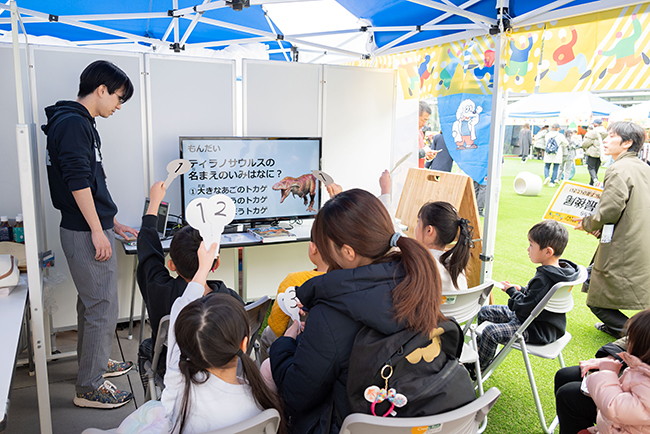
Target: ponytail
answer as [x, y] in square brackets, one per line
[189, 376]
[448, 225]
[264, 396]
[358, 219]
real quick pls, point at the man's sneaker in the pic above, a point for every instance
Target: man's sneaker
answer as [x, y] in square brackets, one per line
[107, 396]
[117, 368]
[547, 180]
[603, 328]
[552, 184]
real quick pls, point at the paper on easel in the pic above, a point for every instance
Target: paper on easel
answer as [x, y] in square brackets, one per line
[573, 201]
[210, 216]
[288, 303]
[176, 168]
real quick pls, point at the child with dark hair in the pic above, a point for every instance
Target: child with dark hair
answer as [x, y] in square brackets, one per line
[547, 241]
[208, 336]
[159, 289]
[438, 226]
[616, 403]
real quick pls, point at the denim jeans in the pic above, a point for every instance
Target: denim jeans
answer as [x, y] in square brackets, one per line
[547, 167]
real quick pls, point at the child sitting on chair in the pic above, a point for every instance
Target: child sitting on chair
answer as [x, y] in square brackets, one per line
[547, 241]
[278, 321]
[159, 289]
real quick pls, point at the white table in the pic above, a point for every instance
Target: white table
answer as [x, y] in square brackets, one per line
[12, 311]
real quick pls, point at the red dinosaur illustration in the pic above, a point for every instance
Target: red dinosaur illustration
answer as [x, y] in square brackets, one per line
[302, 187]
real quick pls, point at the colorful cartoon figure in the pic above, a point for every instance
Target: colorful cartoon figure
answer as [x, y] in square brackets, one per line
[448, 72]
[566, 59]
[423, 70]
[413, 77]
[302, 187]
[488, 66]
[518, 64]
[464, 129]
[624, 50]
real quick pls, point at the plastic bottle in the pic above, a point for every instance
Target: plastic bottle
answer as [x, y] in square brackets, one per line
[6, 231]
[19, 233]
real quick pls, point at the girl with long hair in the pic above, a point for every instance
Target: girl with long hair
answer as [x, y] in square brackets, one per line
[438, 226]
[208, 336]
[377, 278]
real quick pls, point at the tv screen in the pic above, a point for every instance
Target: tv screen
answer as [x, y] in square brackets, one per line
[268, 179]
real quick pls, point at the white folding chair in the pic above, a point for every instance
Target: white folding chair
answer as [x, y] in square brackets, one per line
[267, 422]
[256, 313]
[155, 381]
[557, 300]
[463, 420]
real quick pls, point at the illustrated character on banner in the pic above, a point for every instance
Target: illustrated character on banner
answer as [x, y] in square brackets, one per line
[424, 70]
[413, 77]
[624, 50]
[566, 59]
[518, 65]
[464, 129]
[447, 74]
[488, 66]
[304, 186]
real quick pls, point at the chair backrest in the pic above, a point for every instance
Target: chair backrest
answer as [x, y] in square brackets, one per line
[562, 300]
[256, 313]
[463, 306]
[267, 422]
[463, 420]
[161, 339]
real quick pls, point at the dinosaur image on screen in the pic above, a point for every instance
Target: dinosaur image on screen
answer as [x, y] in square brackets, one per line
[303, 186]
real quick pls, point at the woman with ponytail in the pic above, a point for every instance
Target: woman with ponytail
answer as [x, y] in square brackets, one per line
[377, 278]
[438, 226]
[207, 337]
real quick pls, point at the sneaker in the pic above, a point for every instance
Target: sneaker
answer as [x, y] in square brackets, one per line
[547, 180]
[605, 329]
[552, 184]
[116, 368]
[107, 396]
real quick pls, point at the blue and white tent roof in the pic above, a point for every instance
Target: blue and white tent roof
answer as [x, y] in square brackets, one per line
[352, 28]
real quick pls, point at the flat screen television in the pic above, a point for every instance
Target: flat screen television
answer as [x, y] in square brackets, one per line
[268, 178]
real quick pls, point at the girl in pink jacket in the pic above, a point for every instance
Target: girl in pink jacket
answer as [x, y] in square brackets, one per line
[623, 403]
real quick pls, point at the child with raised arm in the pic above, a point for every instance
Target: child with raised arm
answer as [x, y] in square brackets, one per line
[159, 289]
[438, 226]
[207, 337]
[547, 241]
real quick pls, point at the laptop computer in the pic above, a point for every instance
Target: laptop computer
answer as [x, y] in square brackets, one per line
[163, 215]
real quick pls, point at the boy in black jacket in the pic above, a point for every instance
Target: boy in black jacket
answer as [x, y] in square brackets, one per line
[159, 289]
[547, 241]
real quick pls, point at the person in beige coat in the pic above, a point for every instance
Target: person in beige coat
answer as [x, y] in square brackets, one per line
[620, 278]
[591, 145]
[554, 158]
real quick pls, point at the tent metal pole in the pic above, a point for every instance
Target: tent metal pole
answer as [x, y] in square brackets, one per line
[195, 21]
[110, 17]
[541, 10]
[334, 32]
[170, 27]
[274, 30]
[314, 60]
[239, 28]
[175, 21]
[230, 42]
[436, 41]
[573, 11]
[494, 164]
[477, 18]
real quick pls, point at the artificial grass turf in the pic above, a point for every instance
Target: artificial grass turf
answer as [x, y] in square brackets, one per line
[514, 411]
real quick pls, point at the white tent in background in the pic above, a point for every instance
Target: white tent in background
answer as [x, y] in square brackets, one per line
[578, 106]
[639, 113]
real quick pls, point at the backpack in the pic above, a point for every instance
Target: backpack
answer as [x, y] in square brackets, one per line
[551, 146]
[420, 374]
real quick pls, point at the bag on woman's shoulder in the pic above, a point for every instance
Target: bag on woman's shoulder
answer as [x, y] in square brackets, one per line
[424, 375]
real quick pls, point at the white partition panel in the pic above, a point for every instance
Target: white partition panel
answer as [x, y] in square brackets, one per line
[9, 179]
[281, 99]
[358, 114]
[188, 97]
[56, 72]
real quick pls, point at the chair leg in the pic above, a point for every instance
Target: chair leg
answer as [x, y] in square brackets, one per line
[533, 389]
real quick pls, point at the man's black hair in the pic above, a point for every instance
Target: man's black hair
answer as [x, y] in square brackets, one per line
[549, 233]
[104, 72]
[629, 132]
[183, 250]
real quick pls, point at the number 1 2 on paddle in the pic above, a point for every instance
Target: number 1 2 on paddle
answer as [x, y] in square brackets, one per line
[210, 216]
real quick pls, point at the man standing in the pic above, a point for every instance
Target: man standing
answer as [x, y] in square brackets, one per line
[443, 160]
[524, 142]
[424, 151]
[78, 189]
[592, 145]
[556, 146]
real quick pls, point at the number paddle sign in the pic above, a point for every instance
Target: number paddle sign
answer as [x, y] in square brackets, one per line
[210, 216]
[176, 168]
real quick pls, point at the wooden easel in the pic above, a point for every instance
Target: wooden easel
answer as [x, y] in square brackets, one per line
[422, 186]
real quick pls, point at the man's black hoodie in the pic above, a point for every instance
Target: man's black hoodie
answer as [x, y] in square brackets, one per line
[548, 326]
[74, 163]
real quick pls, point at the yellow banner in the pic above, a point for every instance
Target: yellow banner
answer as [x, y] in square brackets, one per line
[523, 52]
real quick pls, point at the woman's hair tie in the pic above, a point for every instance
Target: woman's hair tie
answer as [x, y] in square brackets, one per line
[240, 353]
[463, 222]
[393, 240]
[467, 231]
